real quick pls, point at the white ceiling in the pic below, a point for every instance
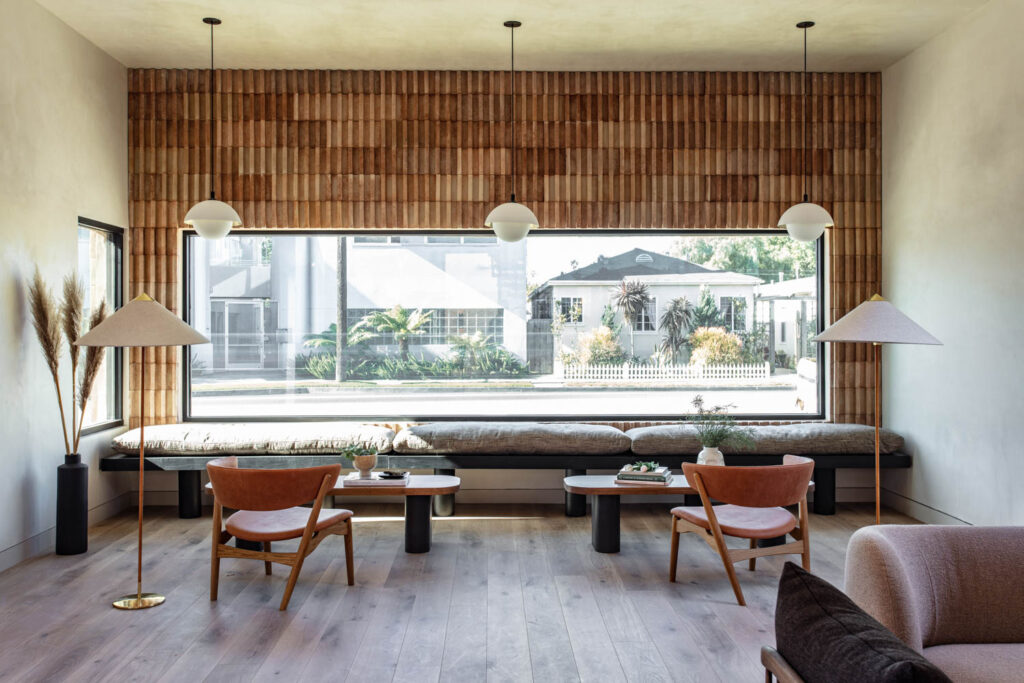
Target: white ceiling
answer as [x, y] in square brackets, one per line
[683, 35]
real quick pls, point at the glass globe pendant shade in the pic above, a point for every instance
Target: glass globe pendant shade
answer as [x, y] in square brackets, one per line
[805, 222]
[212, 219]
[511, 221]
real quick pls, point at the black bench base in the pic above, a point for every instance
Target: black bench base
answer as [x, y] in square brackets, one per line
[190, 468]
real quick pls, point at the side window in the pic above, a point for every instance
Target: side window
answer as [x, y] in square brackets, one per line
[99, 267]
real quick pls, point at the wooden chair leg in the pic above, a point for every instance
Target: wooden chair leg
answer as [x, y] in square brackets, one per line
[214, 555]
[753, 560]
[214, 574]
[292, 578]
[805, 536]
[673, 553]
[731, 571]
[349, 563]
[267, 566]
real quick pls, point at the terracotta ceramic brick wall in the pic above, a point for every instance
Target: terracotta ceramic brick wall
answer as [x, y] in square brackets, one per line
[431, 149]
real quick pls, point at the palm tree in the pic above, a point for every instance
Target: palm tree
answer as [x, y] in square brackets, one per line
[676, 322]
[402, 323]
[631, 297]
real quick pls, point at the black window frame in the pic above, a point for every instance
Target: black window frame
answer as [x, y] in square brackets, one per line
[820, 275]
[117, 238]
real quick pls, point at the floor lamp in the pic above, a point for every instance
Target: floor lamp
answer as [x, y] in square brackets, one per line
[144, 323]
[877, 322]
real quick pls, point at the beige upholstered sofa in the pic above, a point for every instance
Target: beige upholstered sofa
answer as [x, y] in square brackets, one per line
[953, 593]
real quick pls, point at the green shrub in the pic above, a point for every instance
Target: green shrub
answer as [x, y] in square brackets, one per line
[715, 346]
[600, 346]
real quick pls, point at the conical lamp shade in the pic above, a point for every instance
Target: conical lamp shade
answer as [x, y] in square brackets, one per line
[142, 322]
[876, 321]
[511, 221]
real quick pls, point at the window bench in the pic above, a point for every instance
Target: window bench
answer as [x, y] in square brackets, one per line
[448, 446]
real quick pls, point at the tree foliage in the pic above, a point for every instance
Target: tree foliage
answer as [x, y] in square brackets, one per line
[675, 324]
[707, 314]
[630, 297]
[763, 257]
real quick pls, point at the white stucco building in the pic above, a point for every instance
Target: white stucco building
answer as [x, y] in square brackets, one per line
[582, 296]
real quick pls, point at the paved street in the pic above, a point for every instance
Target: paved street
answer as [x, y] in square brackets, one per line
[497, 403]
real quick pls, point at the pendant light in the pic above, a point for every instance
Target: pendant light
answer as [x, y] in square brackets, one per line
[512, 221]
[806, 221]
[212, 218]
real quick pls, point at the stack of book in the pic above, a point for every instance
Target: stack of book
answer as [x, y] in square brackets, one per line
[353, 479]
[632, 476]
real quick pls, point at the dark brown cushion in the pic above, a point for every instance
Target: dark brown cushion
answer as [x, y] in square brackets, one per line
[826, 638]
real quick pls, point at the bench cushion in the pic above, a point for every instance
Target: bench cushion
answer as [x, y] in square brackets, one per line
[255, 438]
[814, 438]
[511, 438]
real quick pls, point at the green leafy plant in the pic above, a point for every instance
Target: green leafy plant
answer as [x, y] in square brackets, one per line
[651, 465]
[716, 428]
[402, 323]
[353, 450]
[600, 346]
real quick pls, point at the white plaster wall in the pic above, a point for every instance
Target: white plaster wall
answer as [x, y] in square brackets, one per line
[63, 153]
[953, 239]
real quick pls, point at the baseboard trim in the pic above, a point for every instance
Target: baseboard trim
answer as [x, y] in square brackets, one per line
[44, 542]
[918, 510]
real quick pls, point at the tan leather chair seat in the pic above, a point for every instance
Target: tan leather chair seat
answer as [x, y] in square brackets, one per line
[743, 522]
[279, 525]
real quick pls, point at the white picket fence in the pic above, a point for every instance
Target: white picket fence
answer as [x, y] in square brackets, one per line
[662, 373]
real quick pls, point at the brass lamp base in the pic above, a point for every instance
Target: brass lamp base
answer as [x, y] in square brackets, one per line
[136, 601]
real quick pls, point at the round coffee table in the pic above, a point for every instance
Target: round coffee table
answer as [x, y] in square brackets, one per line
[419, 494]
[604, 492]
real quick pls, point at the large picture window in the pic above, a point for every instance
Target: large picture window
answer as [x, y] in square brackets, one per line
[99, 267]
[438, 325]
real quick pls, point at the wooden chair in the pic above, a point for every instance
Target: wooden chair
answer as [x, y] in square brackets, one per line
[267, 504]
[754, 509]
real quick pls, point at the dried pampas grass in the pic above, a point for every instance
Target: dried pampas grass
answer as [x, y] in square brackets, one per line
[46, 320]
[49, 321]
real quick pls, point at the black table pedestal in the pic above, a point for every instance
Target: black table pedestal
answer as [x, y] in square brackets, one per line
[417, 524]
[604, 523]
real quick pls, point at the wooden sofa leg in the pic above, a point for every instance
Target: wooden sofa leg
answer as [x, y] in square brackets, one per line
[444, 505]
[575, 503]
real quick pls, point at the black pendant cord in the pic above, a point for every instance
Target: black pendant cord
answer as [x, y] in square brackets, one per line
[804, 88]
[512, 77]
[213, 166]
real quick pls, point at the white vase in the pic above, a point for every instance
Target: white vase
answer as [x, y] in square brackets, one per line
[710, 455]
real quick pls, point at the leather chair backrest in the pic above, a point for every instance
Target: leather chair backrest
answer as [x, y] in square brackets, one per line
[258, 489]
[757, 487]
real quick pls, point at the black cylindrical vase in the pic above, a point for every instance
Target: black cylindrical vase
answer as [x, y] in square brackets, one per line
[72, 506]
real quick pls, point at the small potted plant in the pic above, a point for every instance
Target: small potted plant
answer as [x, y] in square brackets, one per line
[363, 459]
[715, 429]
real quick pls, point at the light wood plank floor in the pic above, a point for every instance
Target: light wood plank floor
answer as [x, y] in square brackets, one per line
[508, 593]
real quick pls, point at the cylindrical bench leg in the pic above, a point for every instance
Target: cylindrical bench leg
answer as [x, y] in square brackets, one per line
[190, 494]
[417, 524]
[444, 505]
[824, 491]
[575, 503]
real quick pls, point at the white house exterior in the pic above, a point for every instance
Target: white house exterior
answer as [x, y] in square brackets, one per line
[259, 296]
[582, 296]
